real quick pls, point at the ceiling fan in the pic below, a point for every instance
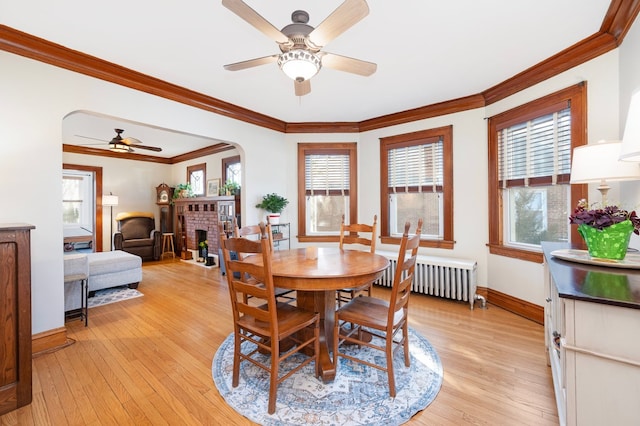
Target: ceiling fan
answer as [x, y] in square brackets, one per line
[120, 144]
[301, 44]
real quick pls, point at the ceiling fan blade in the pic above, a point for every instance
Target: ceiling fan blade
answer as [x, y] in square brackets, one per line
[95, 139]
[302, 87]
[251, 63]
[347, 64]
[129, 141]
[245, 12]
[344, 17]
[150, 148]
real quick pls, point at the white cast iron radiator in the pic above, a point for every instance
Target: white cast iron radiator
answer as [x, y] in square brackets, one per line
[438, 276]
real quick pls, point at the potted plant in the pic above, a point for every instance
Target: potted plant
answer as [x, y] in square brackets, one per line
[274, 204]
[606, 230]
[183, 190]
[231, 188]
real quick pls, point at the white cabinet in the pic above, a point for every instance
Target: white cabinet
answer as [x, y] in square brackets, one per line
[592, 334]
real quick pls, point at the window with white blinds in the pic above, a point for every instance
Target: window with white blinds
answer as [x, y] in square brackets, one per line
[327, 189]
[327, 174]
[530, 196]
[416, 168]
[537, 151]
[416, 172]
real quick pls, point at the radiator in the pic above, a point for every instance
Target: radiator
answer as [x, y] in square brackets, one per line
[438, 276]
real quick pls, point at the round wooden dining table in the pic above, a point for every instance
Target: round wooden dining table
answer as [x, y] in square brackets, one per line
[316, 274]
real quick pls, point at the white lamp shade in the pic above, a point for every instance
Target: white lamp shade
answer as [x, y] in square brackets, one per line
[109, 200]
[600, 161]
[631, 140]
[299, 64]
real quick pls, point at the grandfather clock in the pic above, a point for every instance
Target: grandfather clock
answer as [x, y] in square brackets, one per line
[163, 199]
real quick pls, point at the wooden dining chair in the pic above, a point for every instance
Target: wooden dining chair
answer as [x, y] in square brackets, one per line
[264, 322]
[254, 232]
[370, 316]
[350, 235]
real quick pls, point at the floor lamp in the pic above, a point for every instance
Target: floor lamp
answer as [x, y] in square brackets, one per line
[110, 201]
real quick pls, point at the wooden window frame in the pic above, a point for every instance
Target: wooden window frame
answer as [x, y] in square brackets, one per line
[225, 163]
[195, 168]
[326, 148]
[577, 96]
[416, 138]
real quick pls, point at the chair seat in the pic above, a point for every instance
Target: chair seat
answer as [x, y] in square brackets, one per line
[290, 320]
[368, 311]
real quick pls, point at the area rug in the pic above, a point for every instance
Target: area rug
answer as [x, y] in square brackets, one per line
[358, 396]
[112, 295]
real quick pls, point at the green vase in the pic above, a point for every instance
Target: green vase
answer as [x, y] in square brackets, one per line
[608, 243]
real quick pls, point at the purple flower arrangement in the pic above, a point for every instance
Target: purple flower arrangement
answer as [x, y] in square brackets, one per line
[603, 217]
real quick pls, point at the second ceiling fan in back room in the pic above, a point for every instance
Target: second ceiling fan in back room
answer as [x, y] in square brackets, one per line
[301, 44]
[120, 144]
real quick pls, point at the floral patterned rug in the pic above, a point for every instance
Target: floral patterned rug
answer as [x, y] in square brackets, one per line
[112, 295]
[358, 396]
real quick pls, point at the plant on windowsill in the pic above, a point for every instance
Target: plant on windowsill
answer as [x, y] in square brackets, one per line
[274, 204]
[605, 230]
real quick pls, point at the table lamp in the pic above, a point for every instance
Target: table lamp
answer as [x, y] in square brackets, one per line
[600, 163]
[110, 201]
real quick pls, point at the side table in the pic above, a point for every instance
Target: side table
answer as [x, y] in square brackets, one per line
[167, 245]
[84, 294]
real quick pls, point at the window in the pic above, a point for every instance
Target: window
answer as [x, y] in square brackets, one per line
[231, 170]
[197, 176]
[530, 148]
[77, 200]
[327, 189]
[417, 182]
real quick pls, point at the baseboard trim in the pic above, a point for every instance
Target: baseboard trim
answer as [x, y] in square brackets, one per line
[50, 341]
[517, 306]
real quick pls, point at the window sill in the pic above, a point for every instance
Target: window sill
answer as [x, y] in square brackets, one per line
[526, 255]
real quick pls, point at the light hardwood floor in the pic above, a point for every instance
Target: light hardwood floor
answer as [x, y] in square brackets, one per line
[148, 360]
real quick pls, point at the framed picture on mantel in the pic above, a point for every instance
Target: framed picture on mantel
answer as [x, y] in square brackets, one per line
[213, 186]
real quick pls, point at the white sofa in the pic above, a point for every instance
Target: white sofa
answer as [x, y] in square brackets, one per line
[106, 269]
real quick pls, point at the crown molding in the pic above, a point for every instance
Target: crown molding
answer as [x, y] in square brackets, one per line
[27, 45]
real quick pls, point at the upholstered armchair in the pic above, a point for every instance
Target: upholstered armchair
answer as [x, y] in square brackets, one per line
[137, 235]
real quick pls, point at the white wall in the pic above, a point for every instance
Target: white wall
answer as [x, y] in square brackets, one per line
[36, 97]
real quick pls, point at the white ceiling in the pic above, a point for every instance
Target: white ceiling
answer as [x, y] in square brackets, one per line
[427, 52]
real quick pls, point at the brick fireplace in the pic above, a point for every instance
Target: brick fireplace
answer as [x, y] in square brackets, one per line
[202, 214]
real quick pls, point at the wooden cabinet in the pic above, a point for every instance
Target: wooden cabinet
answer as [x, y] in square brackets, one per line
[592, 318]
[15, 311]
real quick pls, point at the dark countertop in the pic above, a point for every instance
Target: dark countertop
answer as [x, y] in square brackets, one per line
[590, 283]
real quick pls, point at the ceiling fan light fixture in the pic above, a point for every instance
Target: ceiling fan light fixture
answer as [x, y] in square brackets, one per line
[119, 147]
[299, 64]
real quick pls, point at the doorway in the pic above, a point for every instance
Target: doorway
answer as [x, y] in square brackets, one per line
[83, 215]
